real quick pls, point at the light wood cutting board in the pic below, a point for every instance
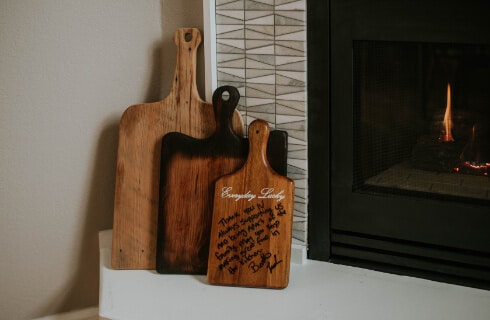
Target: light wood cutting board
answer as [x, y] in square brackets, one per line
[251, 229]
[138, 155]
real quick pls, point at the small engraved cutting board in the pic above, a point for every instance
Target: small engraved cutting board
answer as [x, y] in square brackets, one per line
[251, 229]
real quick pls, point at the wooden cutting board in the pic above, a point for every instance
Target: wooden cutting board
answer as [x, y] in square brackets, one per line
[189, 169]
[138, 155]
[251, 229]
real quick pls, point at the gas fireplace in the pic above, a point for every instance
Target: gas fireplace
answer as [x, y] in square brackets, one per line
[405, 90]
[421, 114]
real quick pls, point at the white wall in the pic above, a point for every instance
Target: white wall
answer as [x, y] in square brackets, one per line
[68, 69]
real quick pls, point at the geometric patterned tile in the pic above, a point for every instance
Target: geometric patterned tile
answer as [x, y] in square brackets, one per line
[259, 5]
[227, 17]
[261, 93]
[297, 96]
[289, 89]
[292, 36]
[267, 20]
[261, 49]
[224, 47]
[284, 48]
[225, 76]
[283, 110]
[264, 59]
[236, 63]
[225, 56]
[296, 105]
[289, 18]
[257, 64]
[291, 122]
[287, 47]
[259, 73]
[264, 79]
[280, 31]
[220, 3]
[266, 49]
[232, 43]
[259, 17]
[224, 29]
[284, 62]
[259, 32]
[295, 131]
[290, 5]
[229, 5]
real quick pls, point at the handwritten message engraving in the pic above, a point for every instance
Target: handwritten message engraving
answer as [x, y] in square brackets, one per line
[251, 231]
[243, 237]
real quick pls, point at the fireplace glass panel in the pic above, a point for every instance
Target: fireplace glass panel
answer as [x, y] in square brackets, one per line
[421, 119]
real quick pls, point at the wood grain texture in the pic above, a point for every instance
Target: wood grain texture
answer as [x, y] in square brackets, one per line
[189, 170]
[141, 129]
[251, 229]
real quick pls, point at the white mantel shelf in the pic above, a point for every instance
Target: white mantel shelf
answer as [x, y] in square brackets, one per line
[316, 291]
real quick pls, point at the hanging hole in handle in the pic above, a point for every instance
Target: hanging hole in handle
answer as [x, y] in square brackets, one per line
[225, 96]
[188, 37]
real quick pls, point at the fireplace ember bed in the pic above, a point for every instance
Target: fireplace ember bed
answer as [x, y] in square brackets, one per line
[405, 90]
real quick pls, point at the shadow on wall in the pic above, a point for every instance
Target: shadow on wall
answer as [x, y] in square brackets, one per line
[83, 289]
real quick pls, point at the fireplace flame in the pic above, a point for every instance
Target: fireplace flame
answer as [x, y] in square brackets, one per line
[446, 132]
[471, 155]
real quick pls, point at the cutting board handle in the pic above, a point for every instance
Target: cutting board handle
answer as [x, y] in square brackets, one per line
[184, 85]
[258, 135]
[225, 100]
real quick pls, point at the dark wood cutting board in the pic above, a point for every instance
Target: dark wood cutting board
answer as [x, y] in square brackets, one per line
[189, 170]
[251, 230]
[138, 155]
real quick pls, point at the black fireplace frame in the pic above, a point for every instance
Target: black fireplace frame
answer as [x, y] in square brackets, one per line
[357, 229]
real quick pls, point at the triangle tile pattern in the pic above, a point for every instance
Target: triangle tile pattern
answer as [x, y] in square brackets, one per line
[261, 50]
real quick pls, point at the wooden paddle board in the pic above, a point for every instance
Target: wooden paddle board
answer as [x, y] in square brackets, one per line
[251, 229]
[189, 170]
[141, 129]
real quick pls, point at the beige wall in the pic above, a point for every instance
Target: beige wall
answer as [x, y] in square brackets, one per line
[68, 69]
